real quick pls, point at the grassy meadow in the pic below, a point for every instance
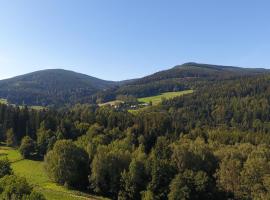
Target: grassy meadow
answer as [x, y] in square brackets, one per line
[111, 103]
[35, 174]
[3, 101]
[167, 95]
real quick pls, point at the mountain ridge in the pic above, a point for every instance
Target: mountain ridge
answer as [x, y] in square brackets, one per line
[51, 86]
[179, 71]
[54, 70]
[61, 86]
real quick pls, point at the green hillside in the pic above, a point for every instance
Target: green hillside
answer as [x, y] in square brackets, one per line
[35, 174]
[162, 151]
[58, 87]
[181, 77]
[50, 87]
[167, 95]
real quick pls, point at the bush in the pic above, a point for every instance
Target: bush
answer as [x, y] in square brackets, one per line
[10, 138]
[13, 187]
[28, 147]
[189, 185]
[67, 164]
[5, 168]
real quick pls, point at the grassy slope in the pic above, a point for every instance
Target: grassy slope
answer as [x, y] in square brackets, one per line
[35, 174]
[111, 103]
[168, 95]
[158, 98]
[3, 101]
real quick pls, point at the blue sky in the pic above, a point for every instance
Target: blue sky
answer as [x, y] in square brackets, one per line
[121, 39]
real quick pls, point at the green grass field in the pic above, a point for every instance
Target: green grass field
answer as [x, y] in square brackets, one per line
[35, 174]
[167, 95]
[37, 107]
[3, 101]
[111, 103]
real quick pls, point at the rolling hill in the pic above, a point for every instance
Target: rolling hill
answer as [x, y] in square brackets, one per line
[181, 77]
[202, 71]
[59, 87]
[50, 87]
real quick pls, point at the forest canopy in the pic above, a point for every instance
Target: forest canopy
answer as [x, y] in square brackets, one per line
[211, 144]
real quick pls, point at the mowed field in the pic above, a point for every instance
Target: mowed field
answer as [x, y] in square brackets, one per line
[167, 95]
[35, 174]
[3, 101]
[111, 103]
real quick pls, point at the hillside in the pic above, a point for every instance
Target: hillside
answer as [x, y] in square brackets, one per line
[181, 77]
[59, 87]
[203, 71]
[22, 167]
[210, 138]
[47, 87]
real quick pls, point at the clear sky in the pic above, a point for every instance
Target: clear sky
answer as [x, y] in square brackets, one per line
[121, 39]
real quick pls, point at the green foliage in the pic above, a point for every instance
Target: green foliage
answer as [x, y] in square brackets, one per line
[244, 172]
[189, 185]
[13, 187]
[148, 195]
[67, 164]
[194, 155]
[106, 170]
[133, 181]
[45, 140]
[229, 176]
[5, 168]
[161, 174]
[160, 169]
[255, 172]
[28, 147]
[36, 196]
[10, 138]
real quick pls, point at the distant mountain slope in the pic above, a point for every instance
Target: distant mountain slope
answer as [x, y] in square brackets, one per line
[50, 87]
[186, 76]
[58, 87]
[197, 70]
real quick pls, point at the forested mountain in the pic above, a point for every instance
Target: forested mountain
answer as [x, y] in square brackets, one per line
[211, 144]
[51, 87]
[59, 87]
[181, 77]
[197, 70]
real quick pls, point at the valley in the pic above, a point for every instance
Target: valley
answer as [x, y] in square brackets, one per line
[134, 100]
[139, 139]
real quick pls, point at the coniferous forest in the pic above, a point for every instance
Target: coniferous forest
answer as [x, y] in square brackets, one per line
[134, 100]
[211, 144]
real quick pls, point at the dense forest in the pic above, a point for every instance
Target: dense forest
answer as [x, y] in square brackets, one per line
[180, 77]
[51, 87]
[211, 144]
[58, 88]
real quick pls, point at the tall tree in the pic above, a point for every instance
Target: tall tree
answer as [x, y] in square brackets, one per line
[67, 164]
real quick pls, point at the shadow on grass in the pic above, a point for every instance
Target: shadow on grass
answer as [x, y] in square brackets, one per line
[34, 157]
